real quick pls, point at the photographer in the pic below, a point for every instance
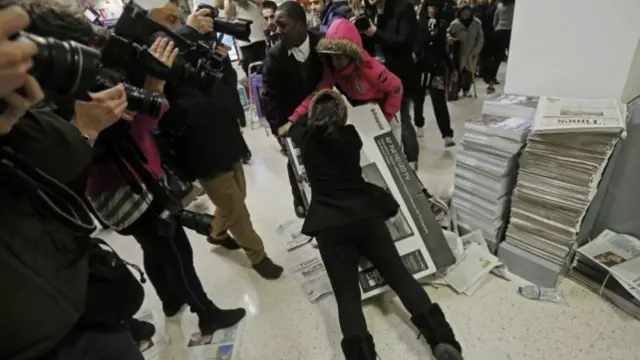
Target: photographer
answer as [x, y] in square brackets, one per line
[210, 147]
[44, 266]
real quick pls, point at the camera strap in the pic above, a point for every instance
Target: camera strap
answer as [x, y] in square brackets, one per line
[47, 192]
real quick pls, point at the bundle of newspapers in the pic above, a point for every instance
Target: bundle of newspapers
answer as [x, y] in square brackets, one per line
[487, 164]
[610, 266]
[560, 169]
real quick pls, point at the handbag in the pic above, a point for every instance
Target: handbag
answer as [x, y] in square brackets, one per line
[114, 294]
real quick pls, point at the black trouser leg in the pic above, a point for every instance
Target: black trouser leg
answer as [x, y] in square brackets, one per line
[418, 101]
[100, 346]
[169, 263]
[441, 111]
[466, 78]
[502, 42]
[340, 255]
[377, 246]
[295, 188]
[341, 248]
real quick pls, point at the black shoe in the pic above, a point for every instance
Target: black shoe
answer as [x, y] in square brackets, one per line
[359, 347]
[438, 333]
[214, 319]
[267, 269]
[141, 330]
[227, 242]
[246, 159]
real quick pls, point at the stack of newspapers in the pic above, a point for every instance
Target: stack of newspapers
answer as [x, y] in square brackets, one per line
[487, 164]
[610, 265]
[560, 169]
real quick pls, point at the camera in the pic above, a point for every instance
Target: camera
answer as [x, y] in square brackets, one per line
[238, 28]
[69, 69]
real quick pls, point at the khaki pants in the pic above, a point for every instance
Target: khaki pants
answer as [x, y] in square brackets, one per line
[227, 191]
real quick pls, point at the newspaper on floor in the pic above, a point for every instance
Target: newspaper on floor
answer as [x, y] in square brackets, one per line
[152, 348]
[561, 115]
[222, 345]
[473, 267]
[619, 254]
[312, 276]
[290, 232]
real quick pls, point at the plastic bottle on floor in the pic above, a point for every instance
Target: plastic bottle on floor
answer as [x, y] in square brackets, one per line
[534, 292]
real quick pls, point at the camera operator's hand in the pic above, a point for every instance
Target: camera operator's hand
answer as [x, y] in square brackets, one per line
[166, 52]
[15, 56]
[201, 21]
[105, 108]
[19, 102]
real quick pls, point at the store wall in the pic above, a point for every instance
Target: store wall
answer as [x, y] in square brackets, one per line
[575, 48]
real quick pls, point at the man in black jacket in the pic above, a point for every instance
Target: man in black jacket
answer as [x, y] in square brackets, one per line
[292, 71]
[391, 37]
[210, 147]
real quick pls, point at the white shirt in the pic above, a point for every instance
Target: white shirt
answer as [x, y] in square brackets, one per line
[301, 53]
[253, 13]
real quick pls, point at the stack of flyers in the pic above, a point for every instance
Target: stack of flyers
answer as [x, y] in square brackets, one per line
[222, 345]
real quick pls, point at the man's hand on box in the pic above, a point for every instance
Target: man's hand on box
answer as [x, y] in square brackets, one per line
[105, 108]
[18, 102]
[15, 55]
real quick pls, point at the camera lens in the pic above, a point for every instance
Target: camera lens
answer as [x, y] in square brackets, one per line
[144, 102]
[63, 67]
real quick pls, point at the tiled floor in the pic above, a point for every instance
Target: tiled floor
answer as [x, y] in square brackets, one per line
[494, 324]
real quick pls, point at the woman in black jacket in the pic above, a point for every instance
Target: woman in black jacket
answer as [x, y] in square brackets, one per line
[433, 61]
[347, 216]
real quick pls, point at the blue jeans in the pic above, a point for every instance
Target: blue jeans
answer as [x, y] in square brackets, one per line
[409, 137]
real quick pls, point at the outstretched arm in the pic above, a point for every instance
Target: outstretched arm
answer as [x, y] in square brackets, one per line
[302, 109]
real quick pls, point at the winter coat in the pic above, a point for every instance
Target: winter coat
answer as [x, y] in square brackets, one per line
[470, 39]
[330, 13]
[364, 79]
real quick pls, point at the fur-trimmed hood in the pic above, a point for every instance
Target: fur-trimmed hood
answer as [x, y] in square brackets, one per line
[342, 37]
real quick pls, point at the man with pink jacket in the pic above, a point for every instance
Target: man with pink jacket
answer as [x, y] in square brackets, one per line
[359, 76]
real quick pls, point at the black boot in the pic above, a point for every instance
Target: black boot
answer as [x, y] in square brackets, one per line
[213, 318]
[438, 333]
[141, 330]
[359, 347]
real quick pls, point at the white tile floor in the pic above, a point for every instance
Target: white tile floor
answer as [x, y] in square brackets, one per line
[494, 324]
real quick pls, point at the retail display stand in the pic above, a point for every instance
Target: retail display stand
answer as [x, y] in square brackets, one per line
[417, 234]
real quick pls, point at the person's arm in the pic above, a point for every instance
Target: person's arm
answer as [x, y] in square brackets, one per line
[302, 109]
[229, 9]
[404, 38]
[352, 136]
[386, 81]
[496, 17]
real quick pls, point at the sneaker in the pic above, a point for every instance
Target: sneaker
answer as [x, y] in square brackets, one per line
[227, 242]
[267, 269]
[420, 132]
[449, 142]
[215, 319]
[246, 159]
[491, 89]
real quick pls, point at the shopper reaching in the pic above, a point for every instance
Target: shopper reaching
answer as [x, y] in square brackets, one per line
[432, 59]
[347, 216]
[467, 31]
[358, 75]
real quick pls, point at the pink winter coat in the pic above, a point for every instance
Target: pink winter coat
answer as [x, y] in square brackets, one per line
[364, 79]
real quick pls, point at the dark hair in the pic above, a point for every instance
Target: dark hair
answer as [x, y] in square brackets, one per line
[294, 11]
[327, 113]
[268, 4]
[60, 19]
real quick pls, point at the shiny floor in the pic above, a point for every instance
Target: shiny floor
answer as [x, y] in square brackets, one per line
[493, 324]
